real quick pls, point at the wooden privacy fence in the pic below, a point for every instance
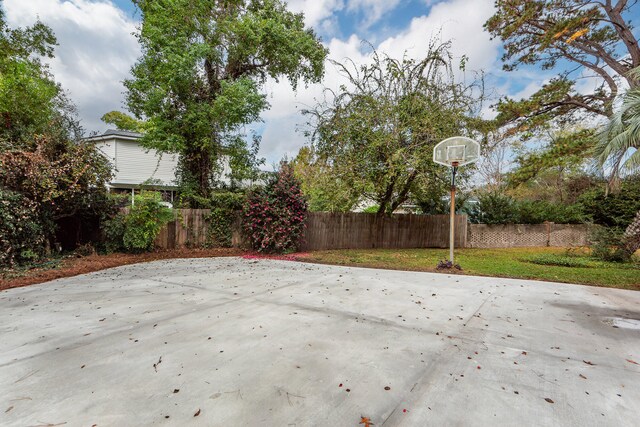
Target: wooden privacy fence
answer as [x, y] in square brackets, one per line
[189, 229]
[365, 231]
[331, 231]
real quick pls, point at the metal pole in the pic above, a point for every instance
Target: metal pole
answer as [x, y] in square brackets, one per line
[452, 214]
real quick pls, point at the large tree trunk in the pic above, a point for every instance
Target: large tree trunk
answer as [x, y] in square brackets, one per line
[632, 234]
[196, 174]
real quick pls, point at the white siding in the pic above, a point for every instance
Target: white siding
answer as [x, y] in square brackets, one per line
[135, 165]
[108, 148]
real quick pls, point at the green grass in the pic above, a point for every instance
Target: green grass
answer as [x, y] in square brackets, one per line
[550, 264]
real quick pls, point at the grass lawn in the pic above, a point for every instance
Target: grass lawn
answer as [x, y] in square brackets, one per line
[517, 263]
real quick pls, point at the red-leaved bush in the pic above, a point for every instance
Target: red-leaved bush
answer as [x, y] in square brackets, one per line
[274, 216]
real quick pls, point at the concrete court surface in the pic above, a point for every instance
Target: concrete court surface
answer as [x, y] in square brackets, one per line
[246, 342]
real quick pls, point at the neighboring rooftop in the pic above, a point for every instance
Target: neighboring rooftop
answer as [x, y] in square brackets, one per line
[122, 133]
[111, 133]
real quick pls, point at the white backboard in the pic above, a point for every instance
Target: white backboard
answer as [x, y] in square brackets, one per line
[457, 149]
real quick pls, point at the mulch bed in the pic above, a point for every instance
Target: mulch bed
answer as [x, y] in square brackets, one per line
[75, 265]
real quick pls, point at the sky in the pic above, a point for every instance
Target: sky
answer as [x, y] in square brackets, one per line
[97, 47]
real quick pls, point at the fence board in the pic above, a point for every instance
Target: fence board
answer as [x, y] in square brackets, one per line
[189, 229]
[366, 231]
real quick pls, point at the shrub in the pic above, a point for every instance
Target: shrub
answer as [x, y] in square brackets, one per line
[135, 229]
[113, 233]
[144, 221]
[609, 244]
[539, 211]
[613, 209]
[21, 231]
[224, 206]
[497, 208]
[561, 261]
[274, 217]
[494, 208]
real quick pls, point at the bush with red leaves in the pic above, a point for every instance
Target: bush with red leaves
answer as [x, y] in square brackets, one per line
[274, 216]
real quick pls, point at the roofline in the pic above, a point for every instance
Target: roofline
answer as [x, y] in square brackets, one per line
[98, 138]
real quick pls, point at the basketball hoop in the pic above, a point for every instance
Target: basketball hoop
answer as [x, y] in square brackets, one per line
[455, 152]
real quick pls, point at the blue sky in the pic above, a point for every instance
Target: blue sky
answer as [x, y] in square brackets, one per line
[97, 48]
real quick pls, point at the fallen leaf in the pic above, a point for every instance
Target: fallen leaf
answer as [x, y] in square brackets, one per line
[176, 390]
[548, 400]
[631, 361]
[583, 377]
[589, 363]
[8, 409]
[197, 413]
[366, 421]
[387, 388]
[155, 365]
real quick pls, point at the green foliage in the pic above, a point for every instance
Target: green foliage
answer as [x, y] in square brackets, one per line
[619, 146]
[31, 103]
[123, 121]
[539, 211]
[433, 202]
[324, 191]
[113, 233]
[597, 36]
[199, 78]
[144, 221]
[562, 261]
[608, 244]
[22, 236]
[62, 177]
[498, 208]
[371, 209]
[613, 209]
[377, 133]
[225, 207]
[494, 208]
[274, 217]
[567, 151]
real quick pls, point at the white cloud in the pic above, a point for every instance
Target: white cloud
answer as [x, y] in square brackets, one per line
[372, 10]
[96, 50]
[316, 11]
[449, 20]
[459, 21]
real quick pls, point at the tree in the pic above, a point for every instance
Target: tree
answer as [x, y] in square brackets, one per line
[377, 133]
[325, 192]
[203, 64]
[31, 103]
[46, 176]
[123, 121]
[619, 148]
[551, 168]
[596, 36]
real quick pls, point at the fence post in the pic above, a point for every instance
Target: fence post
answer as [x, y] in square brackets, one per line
[548, 228]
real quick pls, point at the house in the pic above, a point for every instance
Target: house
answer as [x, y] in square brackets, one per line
[135, 166]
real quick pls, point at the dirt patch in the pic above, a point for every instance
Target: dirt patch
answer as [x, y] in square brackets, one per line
[73, 265]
